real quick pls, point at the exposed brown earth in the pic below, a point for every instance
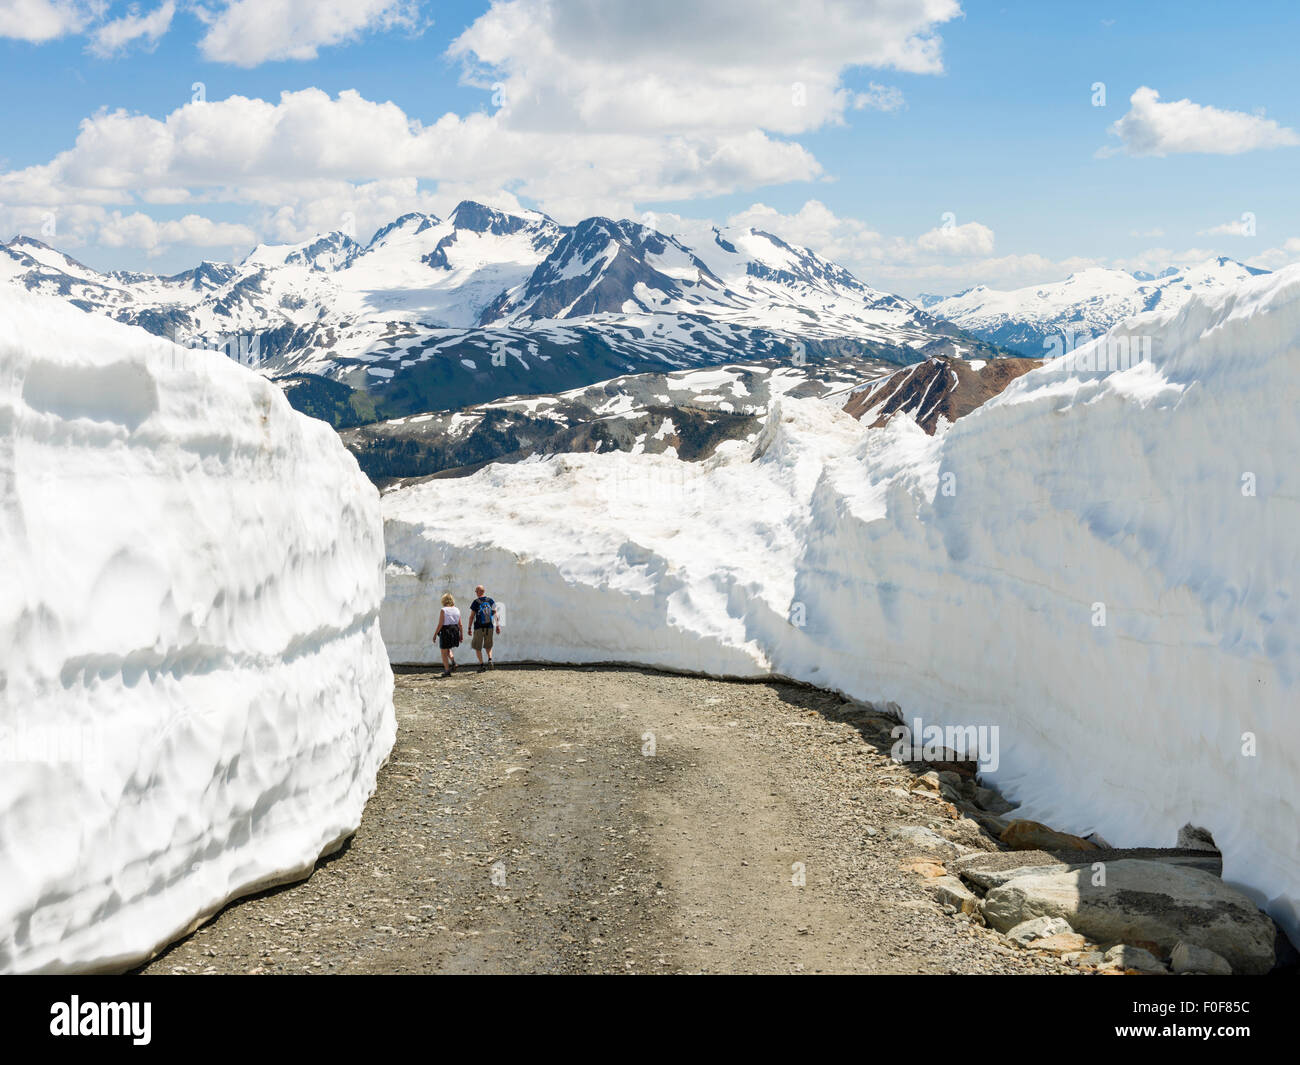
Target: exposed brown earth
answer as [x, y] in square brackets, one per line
[939, 387]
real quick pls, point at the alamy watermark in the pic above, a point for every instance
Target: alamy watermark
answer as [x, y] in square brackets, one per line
[920, 742]
[1071, 353]
[243, 348]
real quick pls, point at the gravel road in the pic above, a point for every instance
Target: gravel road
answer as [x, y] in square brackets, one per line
[610, 819]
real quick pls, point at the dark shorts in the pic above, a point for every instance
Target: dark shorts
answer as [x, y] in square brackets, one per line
[481, 638]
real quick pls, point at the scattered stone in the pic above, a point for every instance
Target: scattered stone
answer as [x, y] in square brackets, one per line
[1189, 958]
[1062, 943]
[927, 782]
[1127, 957]
[1037, 928]
[1033, 836]
[924, 838]
[991, 801]
[1084, 959]
[950, 891]
[1145, 901]
[993, 869]
[1194, 838]
[991, 823]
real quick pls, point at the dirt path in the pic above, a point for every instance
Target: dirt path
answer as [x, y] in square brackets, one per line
[616, 820]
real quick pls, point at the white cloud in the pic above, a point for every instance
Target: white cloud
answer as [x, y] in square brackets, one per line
[686, 66]
[114, 37]
[1179, 126]
[248, 32]
[45, 20]
[969, 238]
[1151, 234]
[942, 259]
[878, 98]
[1276, 258]
[238, 146]
[1236, 228]
[138, 230]
[1154, 260]
[602, 108]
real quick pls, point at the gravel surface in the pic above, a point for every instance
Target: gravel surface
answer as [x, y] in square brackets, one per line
[610, 819]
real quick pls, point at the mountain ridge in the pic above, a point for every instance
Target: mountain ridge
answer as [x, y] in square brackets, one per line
[434, 313]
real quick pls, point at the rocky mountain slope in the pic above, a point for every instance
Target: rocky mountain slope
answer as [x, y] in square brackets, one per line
[937, 388]
[438, 314]
[685, 414]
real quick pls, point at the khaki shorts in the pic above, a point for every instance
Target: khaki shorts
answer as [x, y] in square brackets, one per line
[481, 639]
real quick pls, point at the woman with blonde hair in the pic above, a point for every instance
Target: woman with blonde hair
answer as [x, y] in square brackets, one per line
[448, 634]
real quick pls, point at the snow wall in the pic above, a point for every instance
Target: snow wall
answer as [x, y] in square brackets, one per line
[194, 694]
[1100, 563]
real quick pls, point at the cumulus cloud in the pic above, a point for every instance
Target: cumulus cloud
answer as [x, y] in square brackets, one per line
[248, 32]
[115, 36]
[680, 65]
[238, 146]
[137, 230]
[1235, 228]
[945, 258]
[590, 107]
[969, 238]
[1276, 258]
[82, 225]
[45, 20]
[1179, 126]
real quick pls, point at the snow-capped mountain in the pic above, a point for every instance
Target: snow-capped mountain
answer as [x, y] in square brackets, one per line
[437, 314]
[1034, 319]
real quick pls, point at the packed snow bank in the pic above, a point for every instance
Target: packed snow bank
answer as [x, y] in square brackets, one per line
[194, 695]
[1100, 563]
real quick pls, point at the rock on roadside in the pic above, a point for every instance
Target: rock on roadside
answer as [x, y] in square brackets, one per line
[1146, 902]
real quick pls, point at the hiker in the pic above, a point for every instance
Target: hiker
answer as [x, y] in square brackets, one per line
[482, 620]
[448, 634]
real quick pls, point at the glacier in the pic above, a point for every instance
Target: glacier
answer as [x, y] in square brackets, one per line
[1098, 564]
[194, 695]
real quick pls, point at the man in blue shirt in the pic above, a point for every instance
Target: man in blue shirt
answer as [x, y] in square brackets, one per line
[482, 621]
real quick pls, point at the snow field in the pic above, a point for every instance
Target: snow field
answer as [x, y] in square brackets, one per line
[1100, 565]
[196, 698]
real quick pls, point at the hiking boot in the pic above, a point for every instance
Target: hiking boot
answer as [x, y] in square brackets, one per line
[444, 673]
[482, 669]
[491, 664]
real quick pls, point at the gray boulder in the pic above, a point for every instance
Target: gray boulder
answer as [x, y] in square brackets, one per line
[1189, 958]
[1150, 902]
[1038, 928]
[1126, 957]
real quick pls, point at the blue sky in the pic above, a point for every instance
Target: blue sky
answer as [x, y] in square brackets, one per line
[932, 148]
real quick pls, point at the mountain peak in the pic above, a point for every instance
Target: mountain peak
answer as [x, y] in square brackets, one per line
[415, 221]
[480, 218]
